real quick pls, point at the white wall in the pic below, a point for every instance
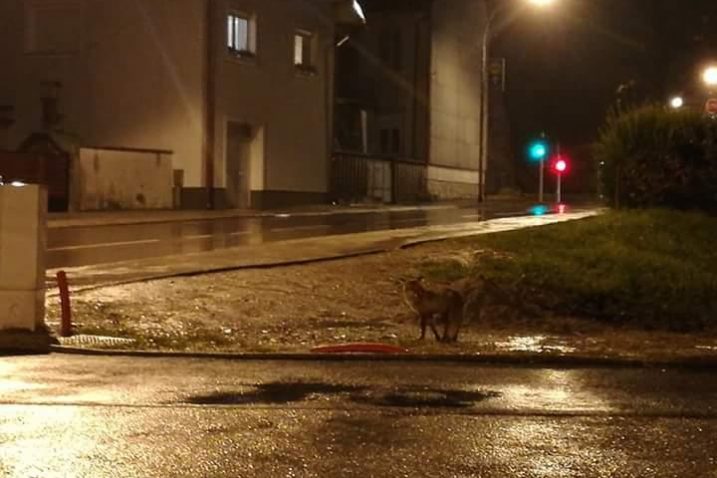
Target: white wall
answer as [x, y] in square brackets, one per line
[123, 180]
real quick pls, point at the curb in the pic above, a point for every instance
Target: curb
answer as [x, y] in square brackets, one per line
[220, 270]
[524, 360]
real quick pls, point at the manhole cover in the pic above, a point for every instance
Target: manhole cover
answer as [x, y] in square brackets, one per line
[95, 340]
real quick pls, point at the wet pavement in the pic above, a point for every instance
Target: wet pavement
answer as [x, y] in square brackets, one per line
[94, 417]
[218, 253]
[105, 239]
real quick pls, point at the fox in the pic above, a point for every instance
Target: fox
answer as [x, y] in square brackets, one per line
[434, 305]
[455, 304]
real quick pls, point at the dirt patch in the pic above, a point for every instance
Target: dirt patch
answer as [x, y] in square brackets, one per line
[291, 309]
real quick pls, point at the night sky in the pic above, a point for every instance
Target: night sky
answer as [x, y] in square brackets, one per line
[566, 63]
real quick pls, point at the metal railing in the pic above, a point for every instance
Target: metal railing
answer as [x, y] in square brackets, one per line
[357, 178]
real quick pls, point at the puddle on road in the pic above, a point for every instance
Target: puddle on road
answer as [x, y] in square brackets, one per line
[274, 393]
[534, 343]
[427, 398]
[282, 393]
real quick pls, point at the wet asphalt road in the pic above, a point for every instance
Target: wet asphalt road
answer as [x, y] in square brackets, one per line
[65, 416]
[87, 245]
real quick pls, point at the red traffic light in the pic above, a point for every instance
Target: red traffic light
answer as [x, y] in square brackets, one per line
[560, 164]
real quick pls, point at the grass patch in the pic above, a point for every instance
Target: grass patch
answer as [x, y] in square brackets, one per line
[655, 269]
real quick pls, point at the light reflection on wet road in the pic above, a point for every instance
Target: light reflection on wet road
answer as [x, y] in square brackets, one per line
[95, 417]
[86, 245]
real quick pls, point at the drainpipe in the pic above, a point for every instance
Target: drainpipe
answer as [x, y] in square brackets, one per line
[209, 139]
[329, 109]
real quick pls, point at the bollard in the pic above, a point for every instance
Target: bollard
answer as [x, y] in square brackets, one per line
[66, 309]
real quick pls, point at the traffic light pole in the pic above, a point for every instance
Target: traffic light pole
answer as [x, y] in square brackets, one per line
[541, 185]
[560, 188]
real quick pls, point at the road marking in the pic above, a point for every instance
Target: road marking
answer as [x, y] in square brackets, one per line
[509, 214]
[299, 228]
[210, 236]
[104, 244]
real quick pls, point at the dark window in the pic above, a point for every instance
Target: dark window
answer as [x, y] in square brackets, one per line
[390, 48]
[385, 141]
[396, 141]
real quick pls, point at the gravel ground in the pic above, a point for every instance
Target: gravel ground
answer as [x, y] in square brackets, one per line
[292, 309]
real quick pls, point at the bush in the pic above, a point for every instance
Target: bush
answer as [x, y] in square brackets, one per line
[653, 157]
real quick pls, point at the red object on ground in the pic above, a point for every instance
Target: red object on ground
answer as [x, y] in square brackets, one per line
[66, 317]
[364, 348]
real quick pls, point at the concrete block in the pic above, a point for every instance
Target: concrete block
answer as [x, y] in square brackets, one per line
[22, 257]
[22, 237]
[22, 310]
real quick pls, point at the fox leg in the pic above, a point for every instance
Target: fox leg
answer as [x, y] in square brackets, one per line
[438, 336]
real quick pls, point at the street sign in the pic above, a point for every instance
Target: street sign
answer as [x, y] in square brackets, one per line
[711, 106]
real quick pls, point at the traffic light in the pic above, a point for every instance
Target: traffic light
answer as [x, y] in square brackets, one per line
[538, 150]
[560, 164]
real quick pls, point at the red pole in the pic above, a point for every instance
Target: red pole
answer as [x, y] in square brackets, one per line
[66, 318]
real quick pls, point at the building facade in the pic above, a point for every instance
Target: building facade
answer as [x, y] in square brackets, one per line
[235, 94]
[409, 101]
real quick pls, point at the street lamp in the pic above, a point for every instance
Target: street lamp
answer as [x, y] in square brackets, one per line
[677, 102]
[488, 33]
[709, 76]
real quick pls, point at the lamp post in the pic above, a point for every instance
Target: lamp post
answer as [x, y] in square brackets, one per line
[488, 32]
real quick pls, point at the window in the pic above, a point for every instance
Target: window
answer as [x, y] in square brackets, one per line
[390, 141]
[241, 34]
[390, 45]
[303, 51]
[396, 141]
[385, 141]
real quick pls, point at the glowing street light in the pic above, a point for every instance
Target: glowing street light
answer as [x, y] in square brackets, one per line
[677, 102]
[488, 33]
[710, 76]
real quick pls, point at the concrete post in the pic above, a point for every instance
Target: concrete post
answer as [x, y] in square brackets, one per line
[22, 257]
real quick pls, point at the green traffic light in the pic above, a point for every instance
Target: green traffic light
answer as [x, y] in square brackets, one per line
[538, 150]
